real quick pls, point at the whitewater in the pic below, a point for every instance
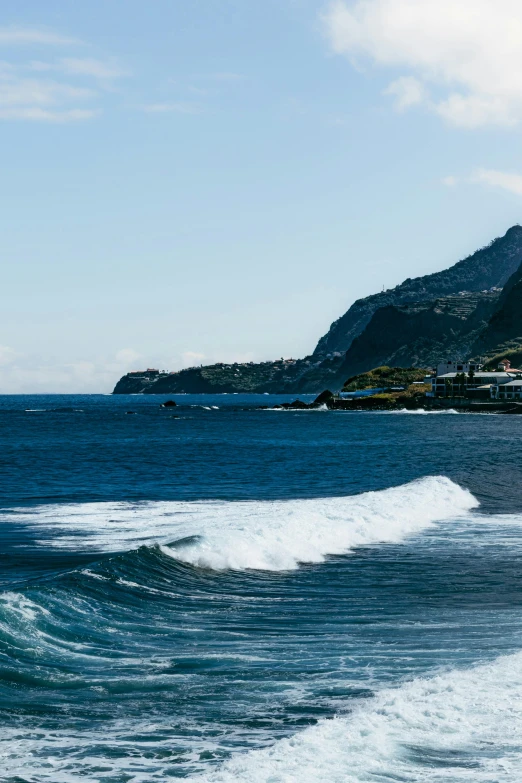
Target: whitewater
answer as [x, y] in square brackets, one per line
[272, 536]
[455, 727]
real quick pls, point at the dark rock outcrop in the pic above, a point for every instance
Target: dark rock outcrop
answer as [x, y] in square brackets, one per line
[324, 398]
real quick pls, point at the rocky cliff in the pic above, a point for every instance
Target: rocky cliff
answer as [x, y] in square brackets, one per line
[489, 267]
[273, 377]
[420, 334]
[504, 328]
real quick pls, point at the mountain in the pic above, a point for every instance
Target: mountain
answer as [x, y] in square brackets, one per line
[505, 324]
[420, 333]
[490, 267]
[473, 309]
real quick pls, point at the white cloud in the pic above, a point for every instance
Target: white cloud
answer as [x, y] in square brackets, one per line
[29, 35]
[407, 92]
[470, 51]
[499, 179]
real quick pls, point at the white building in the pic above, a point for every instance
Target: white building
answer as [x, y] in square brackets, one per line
[508, 391]
[448, 385]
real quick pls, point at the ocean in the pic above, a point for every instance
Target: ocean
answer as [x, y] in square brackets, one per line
[219, 593]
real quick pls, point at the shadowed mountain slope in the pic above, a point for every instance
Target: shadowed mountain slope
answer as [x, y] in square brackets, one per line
[505, 324]
[489, 267]
[420, 334]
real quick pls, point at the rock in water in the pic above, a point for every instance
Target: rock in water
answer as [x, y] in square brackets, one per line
[323, 398]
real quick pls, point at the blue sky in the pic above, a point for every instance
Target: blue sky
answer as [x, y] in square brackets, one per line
[185, 183]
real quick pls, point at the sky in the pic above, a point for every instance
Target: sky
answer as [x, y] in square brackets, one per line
[184, 183]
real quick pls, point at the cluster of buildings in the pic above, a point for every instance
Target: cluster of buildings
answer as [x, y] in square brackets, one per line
[468, 379]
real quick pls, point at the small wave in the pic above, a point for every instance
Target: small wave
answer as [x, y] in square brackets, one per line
[458, 727]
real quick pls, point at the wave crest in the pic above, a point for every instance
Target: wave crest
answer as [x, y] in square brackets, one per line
[277, 536]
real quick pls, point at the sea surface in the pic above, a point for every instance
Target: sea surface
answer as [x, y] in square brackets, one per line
[219, 593]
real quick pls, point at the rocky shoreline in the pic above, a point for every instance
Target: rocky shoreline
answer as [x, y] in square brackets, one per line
[400, 402]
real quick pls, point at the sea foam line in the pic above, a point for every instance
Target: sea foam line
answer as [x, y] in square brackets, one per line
[458, 727]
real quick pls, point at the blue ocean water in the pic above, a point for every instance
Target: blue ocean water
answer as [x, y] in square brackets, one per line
[222, 593]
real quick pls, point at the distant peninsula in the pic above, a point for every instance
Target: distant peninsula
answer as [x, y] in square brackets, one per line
[474, 308]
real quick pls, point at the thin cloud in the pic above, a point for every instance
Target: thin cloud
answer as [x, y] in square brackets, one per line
[505, 180]
[37, 114]
[27, 92]
[499, 179]
[90, 67]
[81, 66]
[29, 35]
[39, 92]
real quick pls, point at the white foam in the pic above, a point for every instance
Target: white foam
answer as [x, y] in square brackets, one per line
[21, 606]
[421, 412]
[458, 727]
[268, 535]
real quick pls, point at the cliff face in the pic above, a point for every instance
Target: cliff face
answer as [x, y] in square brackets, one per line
[504, 328]
[420, 334]
[490, 267]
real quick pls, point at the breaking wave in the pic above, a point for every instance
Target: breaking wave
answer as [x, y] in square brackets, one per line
[265, 535]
